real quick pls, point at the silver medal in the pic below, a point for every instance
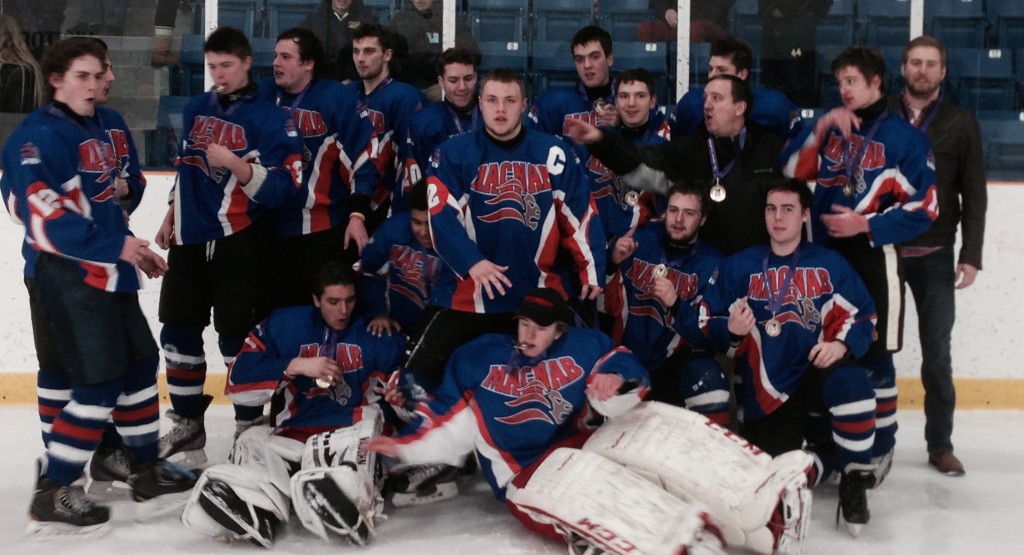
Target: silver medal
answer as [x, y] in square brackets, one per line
[718, 193]
[322, 383]
[660, 271]
[773, 327]
[632, 198]
[600, 105]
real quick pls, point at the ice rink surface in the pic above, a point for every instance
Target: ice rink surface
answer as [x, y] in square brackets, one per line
[916, 510]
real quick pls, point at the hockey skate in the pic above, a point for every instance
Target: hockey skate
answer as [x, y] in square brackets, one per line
[109, 470]
[60, 511]
[853, 500]
[882, 466]
[247, 522]
[420, 485]
[336, 511]
[159, 487]
[186, 440]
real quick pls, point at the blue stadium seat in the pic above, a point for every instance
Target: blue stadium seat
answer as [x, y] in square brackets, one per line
[1003, 137]
[893, 56]
[511, 54]
[191, 70]
[983, 78]
[887, 21]
[700, 57]
[957, 23]
[552, 65]
[558, 20]
[285, 14]
[652, 56]
[498, 20]
[828, 89]
[1007, 17]
[622, 17]
[262, 58]
[383, 9]
[246, 15]
[747, 23]
[839, 26]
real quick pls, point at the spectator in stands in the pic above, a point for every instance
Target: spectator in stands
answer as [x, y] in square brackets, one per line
[708, 21]
[418, 35]
[163, 32]
[787, 51]
[41, 21]
[333, 22]
[21, 85]
[771, 109]
[928, 264]
[100, 17]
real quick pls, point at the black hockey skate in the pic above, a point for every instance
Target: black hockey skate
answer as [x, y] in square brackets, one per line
[337, 512]
[58, 511]
[247, 522]
[109, 469]
[160, 487]
[187, 436]
[420, 485]
[853, 500]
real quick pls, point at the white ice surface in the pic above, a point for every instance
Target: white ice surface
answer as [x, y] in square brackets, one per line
[916, 511]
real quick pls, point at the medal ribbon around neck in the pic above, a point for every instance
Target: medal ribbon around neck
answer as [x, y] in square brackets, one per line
[715, 171]
[775, 301]
[857, 159]
[916, 122]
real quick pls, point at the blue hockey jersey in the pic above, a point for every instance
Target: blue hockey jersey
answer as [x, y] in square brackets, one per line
[336, 157]
[301, 408]
[405, 276]
[641, 322]
[210, 203]
[897, 194]
[430, 127]
[772, 110]
[513, 204]
[59, 183]
[390, 107]
[826, 301]
[511, 410]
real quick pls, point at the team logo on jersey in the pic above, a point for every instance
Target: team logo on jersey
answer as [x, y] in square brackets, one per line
[512, 188]
[535, 391]
[838, 154]
[377, 119]
[97, 157]
[416, 271]
[641, 275]
[310, 122]
[210, 130]
[808, 284]
[349, 358]
[604, 183]
[29, 154]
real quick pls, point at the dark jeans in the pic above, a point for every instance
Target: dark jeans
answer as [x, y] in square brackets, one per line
[930, 278]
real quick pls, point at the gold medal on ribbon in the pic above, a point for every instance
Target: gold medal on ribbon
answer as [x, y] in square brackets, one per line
[773, 327]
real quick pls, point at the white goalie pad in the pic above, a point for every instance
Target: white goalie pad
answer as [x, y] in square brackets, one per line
[597, 502]
[252, 484]
[338, 489]
[759, 502]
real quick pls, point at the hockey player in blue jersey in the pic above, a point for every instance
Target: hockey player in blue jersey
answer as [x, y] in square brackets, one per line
[338, 172]
[456, 114]
[390, 105]
[655, 269]
[322, 372]
[241, 157]
[641, 123]
[771, 109]
[60, 181]
[875, 188]
[512, 399]
[503, 202]
[795, 315]
[402, 271]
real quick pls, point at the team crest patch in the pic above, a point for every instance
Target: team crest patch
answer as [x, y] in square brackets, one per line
[29, 154]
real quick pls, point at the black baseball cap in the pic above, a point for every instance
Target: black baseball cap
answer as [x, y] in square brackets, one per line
[545, 306]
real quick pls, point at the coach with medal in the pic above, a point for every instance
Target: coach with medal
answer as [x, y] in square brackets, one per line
[736, 157]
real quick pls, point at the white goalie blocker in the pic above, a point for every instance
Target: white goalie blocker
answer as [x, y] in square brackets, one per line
[601, 507]
[335, 492]
[759, 502]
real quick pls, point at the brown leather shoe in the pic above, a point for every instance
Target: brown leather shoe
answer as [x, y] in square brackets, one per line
[946, 463]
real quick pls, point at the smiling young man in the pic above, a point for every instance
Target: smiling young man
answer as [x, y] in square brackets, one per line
[875, 188]
[654, 269]
[455, 114]
[240, 158]
[928, 260]
[324, 221]
[794, 315]
[735, 157]
[390, 105]
[60, 181]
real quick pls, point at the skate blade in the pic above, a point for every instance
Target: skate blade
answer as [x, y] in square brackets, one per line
[853, 528]
[156, 507]
[440, 493]
[50, 531]
[191, 459]
[104, 488]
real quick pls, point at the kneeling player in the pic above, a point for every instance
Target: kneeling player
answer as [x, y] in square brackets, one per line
[517, 400]
[794, 315]
[321, 369]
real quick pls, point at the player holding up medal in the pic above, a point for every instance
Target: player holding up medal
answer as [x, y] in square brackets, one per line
[795, 315]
